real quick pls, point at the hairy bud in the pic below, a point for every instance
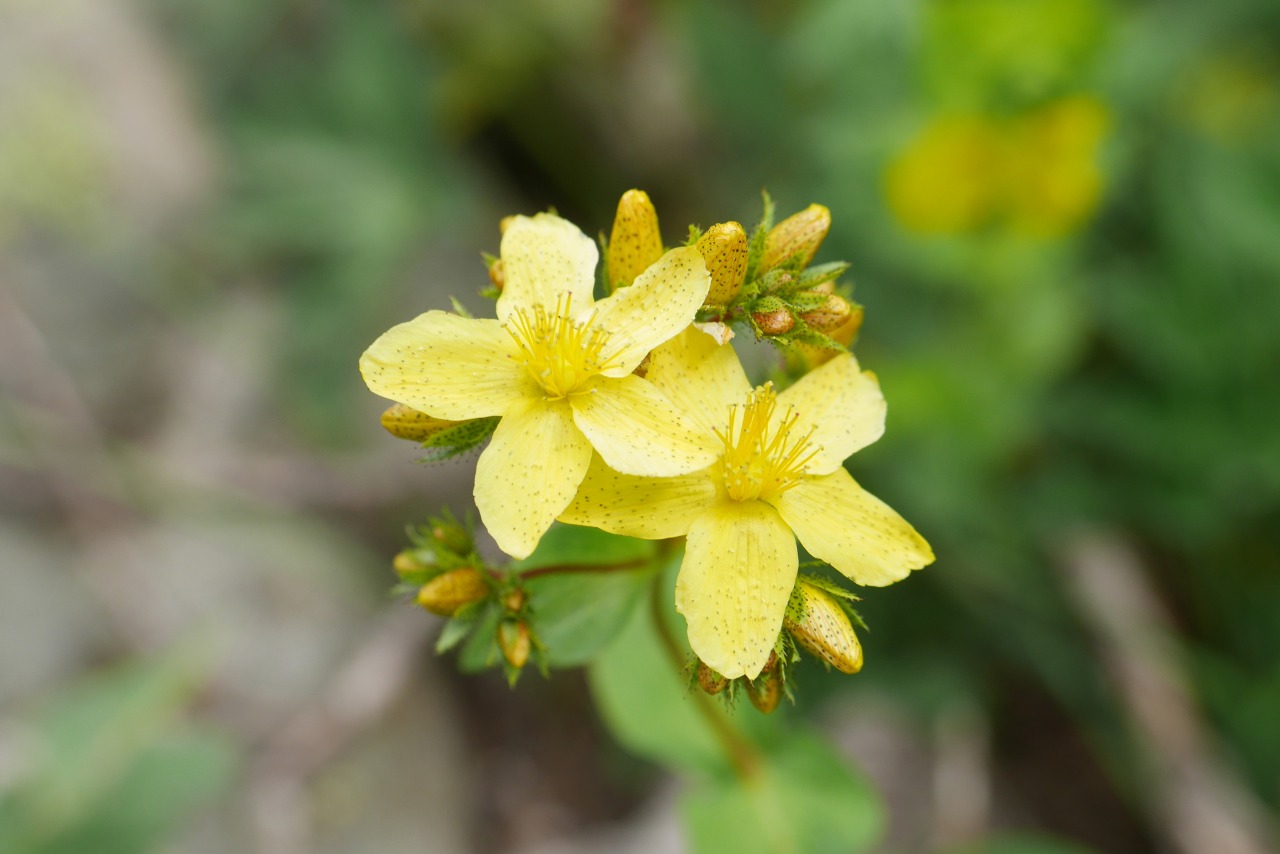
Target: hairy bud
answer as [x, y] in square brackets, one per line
[765, 691]
[709, 680]
[514, 641]
[514, 600]
[405, 422]
[777, 321]
[796, 237]
[818, 623]
[452, 590]
[412, 561]
[452, 536]
[829, 316]
[724, 249]
[635, 241]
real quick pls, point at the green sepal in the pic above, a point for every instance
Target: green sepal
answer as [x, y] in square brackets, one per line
[458, 440]
[454, 632]
[814, 276]
[480, 652]
[802, 301]
[755, 245]
[460, 309]
[406, 588]
[802, 334]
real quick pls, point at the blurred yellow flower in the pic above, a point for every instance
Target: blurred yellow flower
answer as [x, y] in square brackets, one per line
[1037, 173]
[778, 476]
[945, 180]
[557, 367]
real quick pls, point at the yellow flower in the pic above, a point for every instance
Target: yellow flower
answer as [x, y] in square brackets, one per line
[778, 476]
[1037, 173]
[557, 367]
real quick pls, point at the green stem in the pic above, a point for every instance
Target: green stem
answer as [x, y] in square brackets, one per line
[741, 753]
[583, 567]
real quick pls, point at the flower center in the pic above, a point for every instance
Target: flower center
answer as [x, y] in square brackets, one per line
[559, 352]
[760, 462]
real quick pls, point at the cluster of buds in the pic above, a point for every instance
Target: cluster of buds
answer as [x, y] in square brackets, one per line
[819, 619]
[446, 577]
[765, 691]
[764, 281]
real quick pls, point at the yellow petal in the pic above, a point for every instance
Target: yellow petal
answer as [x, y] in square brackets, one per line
[638, 431]
[543, 258]
[739, 567]
[700, 377]
[652, 508]
[846, 526]
[661, 302]
[448, 366]
[841, 405]
[529, 473]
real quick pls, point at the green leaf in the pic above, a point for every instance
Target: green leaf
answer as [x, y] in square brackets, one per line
[95, 733]
[803, 800]
[173, 777]
[648, 701]
[480, 651]
[571, 544]
[576, 615]
[118, 768]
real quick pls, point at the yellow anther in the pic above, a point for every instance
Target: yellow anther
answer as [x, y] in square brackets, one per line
[763, 459]
[560, 352]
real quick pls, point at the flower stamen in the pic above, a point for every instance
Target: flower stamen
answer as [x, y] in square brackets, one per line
[560, 353]
[760, 462]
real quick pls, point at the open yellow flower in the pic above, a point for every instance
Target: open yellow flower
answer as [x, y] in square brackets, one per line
[778, 476]
[557, 367]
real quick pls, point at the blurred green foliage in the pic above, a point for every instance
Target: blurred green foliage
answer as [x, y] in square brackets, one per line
[1120, 377]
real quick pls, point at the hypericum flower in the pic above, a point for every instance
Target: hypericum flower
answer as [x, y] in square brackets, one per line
[557, 367]
[1038, 173]
[778, 477]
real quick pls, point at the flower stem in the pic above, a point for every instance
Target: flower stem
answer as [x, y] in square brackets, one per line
[583, 567]
[741, 753]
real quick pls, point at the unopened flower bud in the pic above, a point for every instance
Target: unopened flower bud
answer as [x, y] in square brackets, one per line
[411, 561]
[452, 536]
[724, 249]
[514, 641]
[776, 321]
[709, 680]
[497, 274]
[807, 356]
[452, 590]
[635, 241]
[514, 600]
[765, 691]
[796, 238]
[847, 331]
[504, 223]
[829, 316]
[405, 422]
[818, 623]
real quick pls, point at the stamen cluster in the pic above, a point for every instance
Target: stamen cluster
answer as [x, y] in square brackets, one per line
[560, 352]
[762, 460]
